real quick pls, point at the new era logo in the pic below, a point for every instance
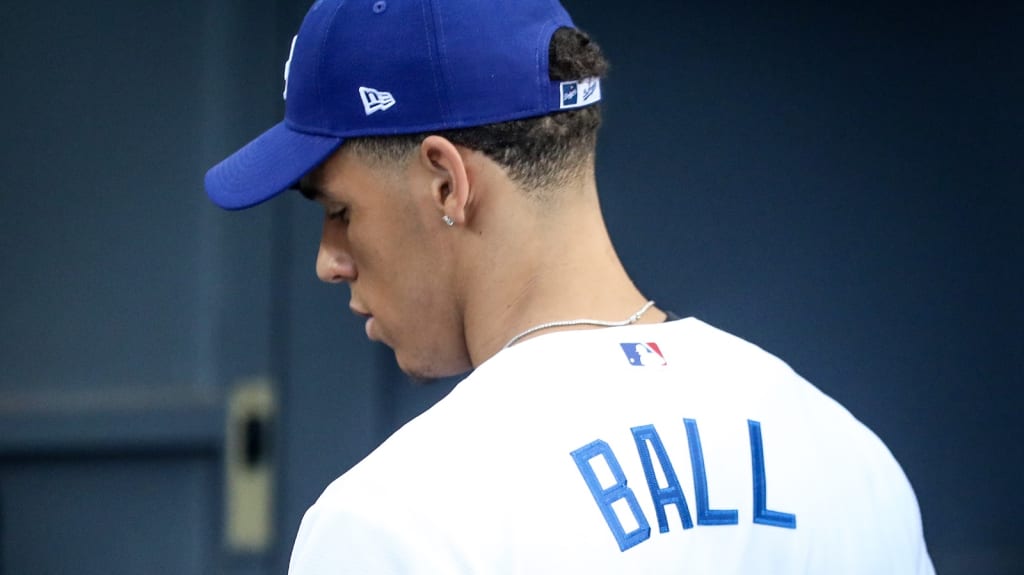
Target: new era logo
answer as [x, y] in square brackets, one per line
[375, 101]
[643, 354]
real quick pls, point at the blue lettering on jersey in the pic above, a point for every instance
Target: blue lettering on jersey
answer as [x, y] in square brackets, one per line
[647, 441]
[605, 497]
[705, 515]
[762, 514]
[662, 496]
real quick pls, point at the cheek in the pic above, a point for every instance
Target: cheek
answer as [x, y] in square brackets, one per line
[402, 277]
[429, 317]
[419, 315]
[421, 290]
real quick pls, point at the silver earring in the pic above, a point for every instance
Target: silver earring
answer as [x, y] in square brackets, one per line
[448, 221]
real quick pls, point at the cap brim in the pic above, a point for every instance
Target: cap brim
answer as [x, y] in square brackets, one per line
[267, 166]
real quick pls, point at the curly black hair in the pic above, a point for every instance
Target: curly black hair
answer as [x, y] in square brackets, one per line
[539, 153]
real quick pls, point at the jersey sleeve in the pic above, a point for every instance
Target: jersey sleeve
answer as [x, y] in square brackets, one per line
[337, 538]
[332, 540]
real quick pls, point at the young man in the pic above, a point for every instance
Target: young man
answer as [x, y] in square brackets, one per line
[451, 145]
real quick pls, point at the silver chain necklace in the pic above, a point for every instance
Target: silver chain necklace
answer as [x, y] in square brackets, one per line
[566, 323]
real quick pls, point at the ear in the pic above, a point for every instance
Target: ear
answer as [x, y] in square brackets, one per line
[449, 181]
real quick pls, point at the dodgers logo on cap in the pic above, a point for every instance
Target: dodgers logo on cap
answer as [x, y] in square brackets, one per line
[643, 354]
[579, 93]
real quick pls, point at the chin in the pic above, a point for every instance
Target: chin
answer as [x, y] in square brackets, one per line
[426, 367]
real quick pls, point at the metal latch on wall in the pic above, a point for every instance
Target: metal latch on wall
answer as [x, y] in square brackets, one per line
[249, 466]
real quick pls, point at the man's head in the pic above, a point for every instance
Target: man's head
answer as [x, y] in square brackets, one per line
[388, 178]
[384, 199]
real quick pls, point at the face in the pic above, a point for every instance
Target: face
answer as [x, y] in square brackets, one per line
[383, 236]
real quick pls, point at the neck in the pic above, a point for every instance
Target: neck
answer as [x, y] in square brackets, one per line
[552, 262]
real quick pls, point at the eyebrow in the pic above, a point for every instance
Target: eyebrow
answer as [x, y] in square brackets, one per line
[311, 193]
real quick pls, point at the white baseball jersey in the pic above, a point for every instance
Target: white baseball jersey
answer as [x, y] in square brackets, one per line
[668, 448]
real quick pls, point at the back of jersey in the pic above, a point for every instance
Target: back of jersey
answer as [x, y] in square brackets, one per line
[654, 449]
[679, 448]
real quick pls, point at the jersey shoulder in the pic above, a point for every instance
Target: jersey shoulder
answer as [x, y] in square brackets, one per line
[414, 504]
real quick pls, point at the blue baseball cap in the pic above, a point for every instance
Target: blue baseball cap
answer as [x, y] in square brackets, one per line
[386, 67]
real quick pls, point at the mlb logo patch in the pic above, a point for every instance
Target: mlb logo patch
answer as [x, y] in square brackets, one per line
[643, 354]
[570, 94]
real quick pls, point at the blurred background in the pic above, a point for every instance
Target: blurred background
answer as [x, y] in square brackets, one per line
[840, 184]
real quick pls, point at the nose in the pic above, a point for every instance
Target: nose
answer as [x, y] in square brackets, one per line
[334, 262]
